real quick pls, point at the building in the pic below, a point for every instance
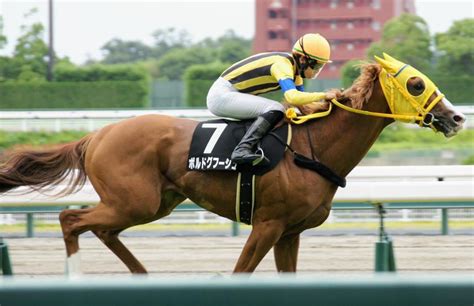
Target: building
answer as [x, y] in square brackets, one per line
[349, 25]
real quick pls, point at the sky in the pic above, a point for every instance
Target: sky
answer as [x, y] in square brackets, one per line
[82, 27]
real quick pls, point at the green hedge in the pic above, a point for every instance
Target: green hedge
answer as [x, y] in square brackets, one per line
[105, 94]
[197, 81]
[96, 73]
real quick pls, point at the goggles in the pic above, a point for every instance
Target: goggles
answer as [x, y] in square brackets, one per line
[314, 64]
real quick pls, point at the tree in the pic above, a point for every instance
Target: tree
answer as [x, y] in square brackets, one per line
[232, 48]
[3, 38]
[31, 51]
[173, 64]
[120, 51]
[169, 38]
[456, 49]
[407, 38]
[9, 69]
[5, 62]
[350, 71]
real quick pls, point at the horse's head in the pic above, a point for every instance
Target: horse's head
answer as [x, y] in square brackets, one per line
[413, 97]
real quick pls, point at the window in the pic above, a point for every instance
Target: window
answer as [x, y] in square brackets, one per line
[350, 4]
[350, 25]
[272, 14]
[333, 25]
[376, 4]
[376, 25]
[276, 4]
[350, 46]
[334, 3]
[272, 35]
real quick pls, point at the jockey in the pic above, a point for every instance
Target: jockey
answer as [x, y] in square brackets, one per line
[235, 93]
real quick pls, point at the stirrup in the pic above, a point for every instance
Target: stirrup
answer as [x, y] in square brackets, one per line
[262, 160]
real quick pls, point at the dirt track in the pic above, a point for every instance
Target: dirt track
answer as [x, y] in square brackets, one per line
[184, 256]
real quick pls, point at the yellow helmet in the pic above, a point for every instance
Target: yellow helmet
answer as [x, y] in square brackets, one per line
[313, 46]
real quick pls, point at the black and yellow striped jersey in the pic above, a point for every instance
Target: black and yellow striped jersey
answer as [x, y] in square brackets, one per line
[267, 72]
[262, 73]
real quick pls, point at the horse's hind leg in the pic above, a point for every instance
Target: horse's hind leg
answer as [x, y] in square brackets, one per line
[111, 240]
[101, 218]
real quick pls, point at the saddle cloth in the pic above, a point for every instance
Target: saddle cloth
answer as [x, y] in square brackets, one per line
[214, 140]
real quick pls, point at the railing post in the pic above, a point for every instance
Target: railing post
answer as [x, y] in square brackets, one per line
[30, 224]
[5, 263]
[384, 254]
[444, 221]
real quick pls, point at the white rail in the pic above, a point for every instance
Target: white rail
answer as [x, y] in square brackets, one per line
[95, 119]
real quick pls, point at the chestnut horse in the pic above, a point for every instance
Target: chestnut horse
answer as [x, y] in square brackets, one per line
[138, 168]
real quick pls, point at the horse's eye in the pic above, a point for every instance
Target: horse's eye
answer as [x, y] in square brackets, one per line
[415, 86]
[419, 86]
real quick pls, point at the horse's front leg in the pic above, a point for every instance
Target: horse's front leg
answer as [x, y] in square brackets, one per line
[263, 237]
[286, 253]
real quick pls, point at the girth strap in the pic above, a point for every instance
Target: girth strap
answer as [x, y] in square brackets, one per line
[245, 199]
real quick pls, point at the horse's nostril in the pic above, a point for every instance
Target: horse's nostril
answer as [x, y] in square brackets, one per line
[459, 118]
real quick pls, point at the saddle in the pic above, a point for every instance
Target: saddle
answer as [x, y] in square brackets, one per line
[214, 140]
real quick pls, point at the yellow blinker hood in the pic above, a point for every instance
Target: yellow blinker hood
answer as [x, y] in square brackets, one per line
[393, 79]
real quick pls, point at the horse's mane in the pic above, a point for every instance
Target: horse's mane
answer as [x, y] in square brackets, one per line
[358, 94]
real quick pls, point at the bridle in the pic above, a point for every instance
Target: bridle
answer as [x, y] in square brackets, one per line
[424, 116]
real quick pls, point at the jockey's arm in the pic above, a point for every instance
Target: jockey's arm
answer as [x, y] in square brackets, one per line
[293, 93]
[296, 97]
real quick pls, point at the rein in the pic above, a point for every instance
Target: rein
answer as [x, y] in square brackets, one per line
[291, 113]
[421, 118]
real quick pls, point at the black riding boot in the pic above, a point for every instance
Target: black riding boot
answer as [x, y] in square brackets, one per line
[244, 151]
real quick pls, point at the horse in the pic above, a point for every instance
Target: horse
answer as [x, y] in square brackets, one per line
[138, 168]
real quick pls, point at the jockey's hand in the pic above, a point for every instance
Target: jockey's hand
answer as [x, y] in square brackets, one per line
[329, 96]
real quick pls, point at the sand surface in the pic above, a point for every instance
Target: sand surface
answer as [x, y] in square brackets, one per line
[194, 256]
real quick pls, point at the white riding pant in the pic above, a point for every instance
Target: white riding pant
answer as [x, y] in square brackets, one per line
[225, 101]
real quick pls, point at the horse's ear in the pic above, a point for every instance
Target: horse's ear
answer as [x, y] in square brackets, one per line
[392, 59]
[387, 65]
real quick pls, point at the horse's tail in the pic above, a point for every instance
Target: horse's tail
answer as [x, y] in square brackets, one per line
[43, 169]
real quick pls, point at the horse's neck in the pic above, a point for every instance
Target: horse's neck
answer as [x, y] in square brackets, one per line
[343, 139]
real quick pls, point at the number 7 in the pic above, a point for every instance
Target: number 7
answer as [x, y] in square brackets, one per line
[220, 127]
